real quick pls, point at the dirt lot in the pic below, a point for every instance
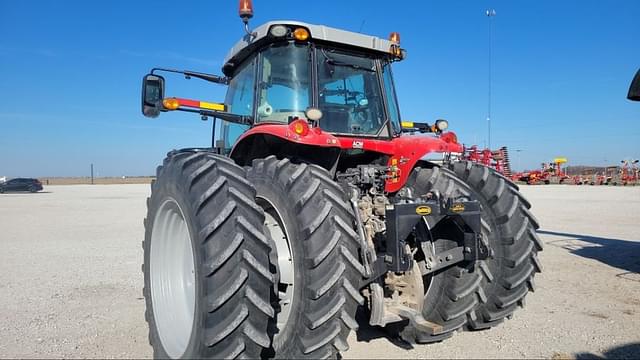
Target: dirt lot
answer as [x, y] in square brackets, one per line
[70, 281]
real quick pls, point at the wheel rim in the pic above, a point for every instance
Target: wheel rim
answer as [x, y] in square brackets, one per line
[286, 283]
[172, 278]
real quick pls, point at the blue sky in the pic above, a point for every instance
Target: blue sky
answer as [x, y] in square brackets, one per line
[70, 74]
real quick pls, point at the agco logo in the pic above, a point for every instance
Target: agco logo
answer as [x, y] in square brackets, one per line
[357, 144]
[423, 210]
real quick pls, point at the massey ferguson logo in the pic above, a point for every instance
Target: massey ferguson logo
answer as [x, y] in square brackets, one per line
[358, 144]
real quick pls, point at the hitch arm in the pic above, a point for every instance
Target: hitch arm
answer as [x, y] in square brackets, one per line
[402, 219]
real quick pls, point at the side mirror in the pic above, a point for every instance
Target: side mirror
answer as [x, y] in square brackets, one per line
[634, 89]
[152, 95]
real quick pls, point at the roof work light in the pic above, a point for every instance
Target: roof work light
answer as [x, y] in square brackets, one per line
[442, 125]
[278, 30]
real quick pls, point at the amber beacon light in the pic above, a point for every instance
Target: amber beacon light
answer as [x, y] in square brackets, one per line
[394, 37]
[395, 50]
[245, 10]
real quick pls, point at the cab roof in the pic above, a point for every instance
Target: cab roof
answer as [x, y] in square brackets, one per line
[317, 32]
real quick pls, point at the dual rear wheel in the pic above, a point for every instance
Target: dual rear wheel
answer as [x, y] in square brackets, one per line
[482, 294]
[207, 281]
[263, 261]
[255, 263]
[312, 228]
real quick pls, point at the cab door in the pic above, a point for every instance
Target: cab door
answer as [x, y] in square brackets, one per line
[240, 100]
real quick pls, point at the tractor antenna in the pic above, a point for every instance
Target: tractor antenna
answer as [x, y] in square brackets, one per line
[246, 12]
[361, 25]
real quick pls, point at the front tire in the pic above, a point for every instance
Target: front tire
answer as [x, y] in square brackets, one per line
[206, 261]
[317, 247]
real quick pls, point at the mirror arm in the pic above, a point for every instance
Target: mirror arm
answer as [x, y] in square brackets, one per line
[188, 74]
[237, 119]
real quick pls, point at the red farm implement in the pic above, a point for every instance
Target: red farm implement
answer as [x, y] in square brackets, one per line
[549, 173]
[496, 159]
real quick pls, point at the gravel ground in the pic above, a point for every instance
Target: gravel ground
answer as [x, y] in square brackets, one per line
[71, 286]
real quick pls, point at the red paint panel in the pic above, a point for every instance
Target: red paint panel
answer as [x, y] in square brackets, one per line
[405, 150]
[315, 136]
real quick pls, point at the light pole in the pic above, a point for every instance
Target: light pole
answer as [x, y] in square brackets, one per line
[490, 13]
[518, 151]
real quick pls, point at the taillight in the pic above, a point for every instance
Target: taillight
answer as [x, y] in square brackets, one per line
[449, 137]
[300, 127]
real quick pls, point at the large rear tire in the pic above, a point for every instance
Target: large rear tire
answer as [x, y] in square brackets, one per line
[511, 231]
[452, 293]
[206, 261]
[312, 226]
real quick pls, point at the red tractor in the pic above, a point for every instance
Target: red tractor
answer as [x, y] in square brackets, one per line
[317, 200]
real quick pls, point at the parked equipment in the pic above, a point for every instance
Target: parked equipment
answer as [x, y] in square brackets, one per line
[496, 159]
[554, 174]
[549, 173]
[628, 173]
[319, 199]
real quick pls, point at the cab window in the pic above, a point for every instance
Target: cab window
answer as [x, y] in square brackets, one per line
[284, 83]
[239, 100]
[350, 95]
[392, 102]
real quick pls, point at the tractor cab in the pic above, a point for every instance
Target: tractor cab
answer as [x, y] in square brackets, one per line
[284, 68]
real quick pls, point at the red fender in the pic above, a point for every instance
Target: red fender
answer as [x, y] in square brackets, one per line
[404, 151]
[314, 136]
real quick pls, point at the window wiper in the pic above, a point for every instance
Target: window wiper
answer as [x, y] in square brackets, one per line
[335, 62]
[353, 66]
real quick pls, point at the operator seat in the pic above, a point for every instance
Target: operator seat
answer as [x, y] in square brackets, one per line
[335, 119]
